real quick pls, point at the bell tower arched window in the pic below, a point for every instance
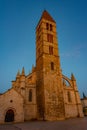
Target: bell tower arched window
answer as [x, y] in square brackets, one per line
[49, 27]
[50, 38]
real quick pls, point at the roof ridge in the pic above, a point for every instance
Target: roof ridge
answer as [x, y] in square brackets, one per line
[47, 16]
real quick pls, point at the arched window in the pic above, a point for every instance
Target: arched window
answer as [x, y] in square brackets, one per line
[69, 96]
[30, 95]
[50, 38]
[50, 50]
[49, 27]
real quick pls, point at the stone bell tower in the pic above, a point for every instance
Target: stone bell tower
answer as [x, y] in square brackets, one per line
[49, 89]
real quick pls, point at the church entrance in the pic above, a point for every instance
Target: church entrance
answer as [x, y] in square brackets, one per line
[9, 117]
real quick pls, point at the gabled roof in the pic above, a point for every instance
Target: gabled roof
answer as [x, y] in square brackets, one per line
[47, 16]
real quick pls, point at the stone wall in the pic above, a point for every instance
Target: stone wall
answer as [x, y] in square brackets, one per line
[73, 106]
[14, 101]
[30, 107]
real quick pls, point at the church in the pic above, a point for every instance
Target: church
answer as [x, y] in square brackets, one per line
[44, 94]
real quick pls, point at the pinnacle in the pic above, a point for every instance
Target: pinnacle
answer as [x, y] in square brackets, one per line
[72, 77]
[84, 96]
[23, 71]
[18, 74]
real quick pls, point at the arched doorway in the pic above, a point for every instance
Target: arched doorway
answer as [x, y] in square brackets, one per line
[9, 117]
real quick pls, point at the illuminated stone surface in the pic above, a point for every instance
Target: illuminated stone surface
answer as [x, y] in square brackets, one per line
[44, 94]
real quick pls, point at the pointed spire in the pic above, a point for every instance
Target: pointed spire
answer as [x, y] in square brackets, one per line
[18, 74]
[47, 16]
[84, 96]
[72, 77]
[23, 71]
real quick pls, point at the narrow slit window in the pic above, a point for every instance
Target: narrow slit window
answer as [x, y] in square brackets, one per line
[51, 27]
[69, 96]
[52, 66]
[30, 95]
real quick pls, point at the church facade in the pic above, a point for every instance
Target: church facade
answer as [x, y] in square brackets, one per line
[44, 94]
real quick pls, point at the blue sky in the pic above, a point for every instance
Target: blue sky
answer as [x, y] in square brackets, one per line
[18, 19]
